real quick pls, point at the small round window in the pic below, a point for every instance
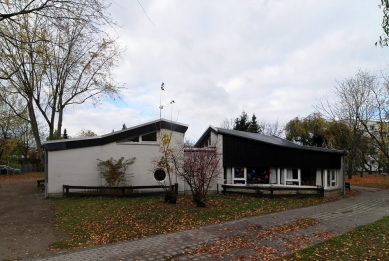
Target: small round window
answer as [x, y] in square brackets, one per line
[159, 175]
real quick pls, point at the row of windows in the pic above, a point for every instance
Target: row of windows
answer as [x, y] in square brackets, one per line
[326, 178]
[143, 138]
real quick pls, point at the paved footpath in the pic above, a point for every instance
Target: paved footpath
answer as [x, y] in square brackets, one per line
[334, 217]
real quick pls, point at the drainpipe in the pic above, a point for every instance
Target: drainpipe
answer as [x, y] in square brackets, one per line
[46, 166]
[344, 173]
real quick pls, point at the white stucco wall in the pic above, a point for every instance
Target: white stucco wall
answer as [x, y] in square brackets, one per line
[70, 167]
[78, 167]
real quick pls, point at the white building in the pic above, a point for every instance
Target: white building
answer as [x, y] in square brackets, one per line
[74, 161]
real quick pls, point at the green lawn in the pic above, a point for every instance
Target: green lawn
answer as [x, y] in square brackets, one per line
[370, 242]
[94, 221]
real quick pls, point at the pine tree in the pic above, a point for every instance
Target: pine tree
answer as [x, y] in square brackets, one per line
[242, 123]
[254, 126]
[65, 134]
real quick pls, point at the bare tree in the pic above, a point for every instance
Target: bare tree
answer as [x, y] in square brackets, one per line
[200, 168]
[85, 133]
[274, 128]
[384, 40]
[228, 124]
[12, 8]
[359, 101]
[58, 62]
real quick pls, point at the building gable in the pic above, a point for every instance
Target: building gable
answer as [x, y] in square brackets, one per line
[115, 136]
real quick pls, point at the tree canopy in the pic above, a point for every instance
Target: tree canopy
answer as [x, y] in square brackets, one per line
[314, 130]
[383, 39]
[56, 59]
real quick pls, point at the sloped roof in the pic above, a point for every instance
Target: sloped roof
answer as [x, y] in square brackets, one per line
[115, 136]
[273, 140]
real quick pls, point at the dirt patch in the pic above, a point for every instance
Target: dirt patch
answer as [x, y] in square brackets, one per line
[27, 225]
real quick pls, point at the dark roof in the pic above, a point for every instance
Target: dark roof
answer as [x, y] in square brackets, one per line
[115, 136]
[273, 140]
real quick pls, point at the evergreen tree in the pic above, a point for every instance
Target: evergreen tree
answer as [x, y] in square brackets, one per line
[254, 126]
[65, 134]
[242, 123]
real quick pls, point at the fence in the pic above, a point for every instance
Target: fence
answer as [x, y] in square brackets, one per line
[31, 168]
[127, 191]
[269, 191]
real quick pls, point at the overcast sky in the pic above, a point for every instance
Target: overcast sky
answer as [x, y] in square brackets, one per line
[218, 58]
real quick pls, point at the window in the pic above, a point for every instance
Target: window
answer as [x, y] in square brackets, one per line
[331, 178]
[239, 176]
[150, 137]
[261, 175]
[159, 175]
[292, 177]
[273, 176]
[132, 139]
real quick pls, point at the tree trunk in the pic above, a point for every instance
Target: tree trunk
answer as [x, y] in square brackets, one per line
[35, 129]
[171, 198]
[198, 199]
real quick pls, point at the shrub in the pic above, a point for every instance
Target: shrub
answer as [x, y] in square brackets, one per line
[114, 171]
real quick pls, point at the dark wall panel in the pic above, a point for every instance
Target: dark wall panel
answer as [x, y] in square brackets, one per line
[241, 152]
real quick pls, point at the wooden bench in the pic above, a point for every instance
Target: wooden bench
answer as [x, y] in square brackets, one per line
[347, 185]
[98, 191]
[258, 189]
[40, 183]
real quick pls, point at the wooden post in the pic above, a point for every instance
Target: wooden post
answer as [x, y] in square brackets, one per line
[322, 191]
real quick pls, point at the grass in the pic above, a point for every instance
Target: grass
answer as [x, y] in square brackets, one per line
[369, 242]
[371, 180]
[94, 221]
[29, 175]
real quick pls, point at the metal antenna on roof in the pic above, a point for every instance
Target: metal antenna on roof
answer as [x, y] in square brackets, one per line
[160, 101]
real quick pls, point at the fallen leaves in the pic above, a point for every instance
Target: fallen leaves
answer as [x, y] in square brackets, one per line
[284, 228]
[94, 221]
[250, 242]
[325, 235]
[368, 242]
[29, 175]
[371, 180]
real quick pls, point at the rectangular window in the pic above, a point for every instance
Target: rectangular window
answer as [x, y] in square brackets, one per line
[331, 178]
[292, 177]
[132, 139]
[260, 175]
[150, 137]
[239, 176]
[239, 173]
[273, 176]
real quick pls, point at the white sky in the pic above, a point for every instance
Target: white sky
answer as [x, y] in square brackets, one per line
[218, 58]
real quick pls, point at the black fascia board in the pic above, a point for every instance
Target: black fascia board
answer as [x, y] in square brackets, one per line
[114, 137]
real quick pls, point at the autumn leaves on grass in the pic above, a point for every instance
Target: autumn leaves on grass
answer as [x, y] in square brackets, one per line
[109, 220]
[380, 181]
